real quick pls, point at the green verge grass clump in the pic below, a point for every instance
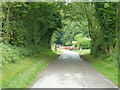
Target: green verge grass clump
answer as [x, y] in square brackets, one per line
[13, 54]
[83, 51]
[23, 73]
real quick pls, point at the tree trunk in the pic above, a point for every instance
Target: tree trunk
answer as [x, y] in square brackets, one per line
[8, 32]
[92, 25]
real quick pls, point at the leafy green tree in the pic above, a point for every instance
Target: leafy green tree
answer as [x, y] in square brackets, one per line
[106, 14]
[82, 42]
[29, 26]
[30, 23]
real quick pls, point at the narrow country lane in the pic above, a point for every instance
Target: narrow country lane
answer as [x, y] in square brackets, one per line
[70, 71]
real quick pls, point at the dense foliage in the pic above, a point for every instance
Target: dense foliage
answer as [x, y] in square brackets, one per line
[29, 26]
[97, 21]
[82, 42]
[104, 42]
[70, 29]
[107, 22]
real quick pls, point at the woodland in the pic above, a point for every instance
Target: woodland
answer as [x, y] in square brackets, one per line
[31, 28]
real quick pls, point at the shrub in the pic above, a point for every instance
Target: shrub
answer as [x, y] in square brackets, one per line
[85, 44]
[113, 58]
[82, 41]
[68, 44]
[13, 54]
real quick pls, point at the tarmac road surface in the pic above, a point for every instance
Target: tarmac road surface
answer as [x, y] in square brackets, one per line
[70, 71]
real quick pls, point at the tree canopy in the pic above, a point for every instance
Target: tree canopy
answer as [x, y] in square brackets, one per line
[29, 24]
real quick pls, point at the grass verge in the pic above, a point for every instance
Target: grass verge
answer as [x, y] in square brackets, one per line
[82, 52]
[58, 51]
[22, 74]
[108, 69]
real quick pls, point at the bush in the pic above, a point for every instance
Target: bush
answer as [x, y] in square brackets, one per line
[85, 44]
[82, 41]
[112, 58]
[13, 54]
[68, 44]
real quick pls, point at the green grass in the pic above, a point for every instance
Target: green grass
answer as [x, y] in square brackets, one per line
[58, 51]
[84, 51]
[108, 69]
[23, 74]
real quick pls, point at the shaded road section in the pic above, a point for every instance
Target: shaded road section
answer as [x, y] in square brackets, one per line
[70, 71]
